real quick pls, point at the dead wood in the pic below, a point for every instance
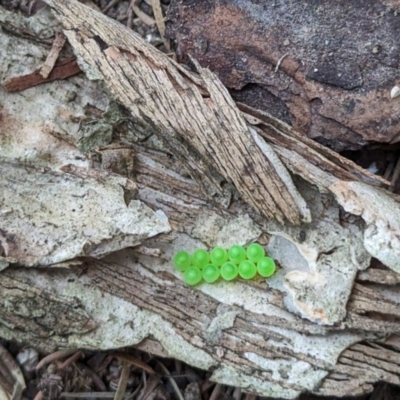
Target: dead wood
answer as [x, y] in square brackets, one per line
[62, 70]
[300, 331]
[198, 107]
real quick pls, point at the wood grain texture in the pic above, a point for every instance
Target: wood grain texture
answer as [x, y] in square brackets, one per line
[192, 113]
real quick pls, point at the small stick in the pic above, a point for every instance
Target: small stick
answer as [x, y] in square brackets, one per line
[395, 177]
[157, 11]
[216, 392]
[129, 22]
[51, 59]
[54, 356]
[280, 62]
[71, 359]
[237, 394]
[64, 69]
[134, 361]
[389, 170]
[172, 380]
[87, 395]
[110, 5]
[39, 395]
[141, 15]
[123, 381]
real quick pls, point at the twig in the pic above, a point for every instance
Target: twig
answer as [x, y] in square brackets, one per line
[278, 64]
[171, 379]
[149, 387]
[388, 170]
[71, 360]
[39, 396]
[129, 22]
[158, 15]
[134, 361]
[97, 382]
[53, 357]
[237, 393]
[143, 16]
[216, 392]
[136, 391]
[206, 385]
[395, 177]
[123, 381]
[91, 395]
[110, 5]
[51, 59]
[64, 69]
[178, 367]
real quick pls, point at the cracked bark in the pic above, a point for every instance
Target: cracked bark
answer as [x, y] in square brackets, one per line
[185, 308]
[198, 109]
[250, 332]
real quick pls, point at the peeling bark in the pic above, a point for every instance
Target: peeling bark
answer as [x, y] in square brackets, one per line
[208, 119]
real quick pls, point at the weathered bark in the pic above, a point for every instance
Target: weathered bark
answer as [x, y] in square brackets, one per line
[198, 109]
[204, 332]
[295, 332]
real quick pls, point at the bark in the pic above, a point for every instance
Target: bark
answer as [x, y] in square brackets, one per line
[324, 323]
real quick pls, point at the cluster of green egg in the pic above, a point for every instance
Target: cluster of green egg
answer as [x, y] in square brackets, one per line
[227, 264]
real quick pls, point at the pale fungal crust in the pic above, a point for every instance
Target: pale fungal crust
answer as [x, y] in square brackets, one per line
[215, 230]
[324, 259]
[209, 340]
[55, 216]
[51, 132]
[381, 214]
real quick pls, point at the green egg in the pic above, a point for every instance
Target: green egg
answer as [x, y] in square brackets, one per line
[255, 252]
[266, 267]
[200, 258]
[182, 260]
[229, 271]
[192, 276]
[218, 256]
[247, 269]
[237, 254]
[211, 273]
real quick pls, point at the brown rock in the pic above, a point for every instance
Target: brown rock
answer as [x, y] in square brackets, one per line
[337, 61]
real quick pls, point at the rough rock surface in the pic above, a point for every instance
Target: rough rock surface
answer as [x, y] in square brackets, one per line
[327, 67]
